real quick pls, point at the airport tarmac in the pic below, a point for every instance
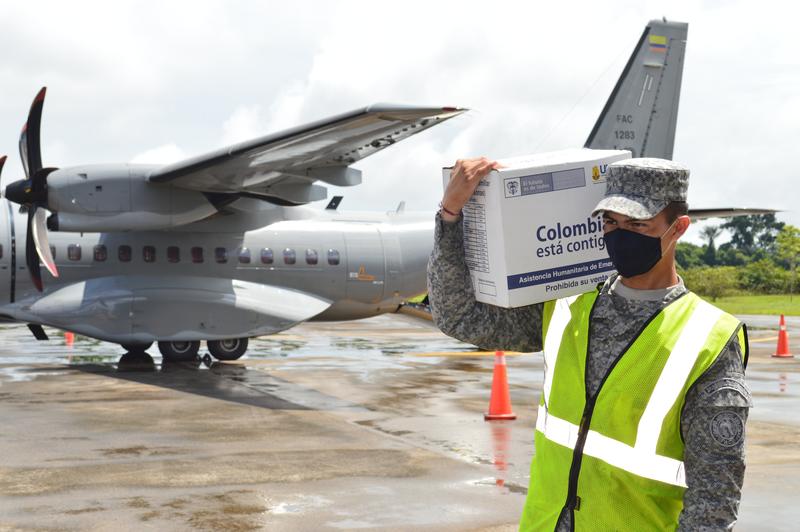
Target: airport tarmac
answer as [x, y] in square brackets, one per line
[369, 425]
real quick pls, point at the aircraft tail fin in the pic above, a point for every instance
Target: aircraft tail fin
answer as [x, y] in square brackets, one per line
[642, 112]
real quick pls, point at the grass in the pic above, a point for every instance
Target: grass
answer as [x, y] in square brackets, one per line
[760, 304]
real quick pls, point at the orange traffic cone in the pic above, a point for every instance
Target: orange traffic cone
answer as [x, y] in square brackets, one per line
[500, 402]
[783, 341]
[69, 338]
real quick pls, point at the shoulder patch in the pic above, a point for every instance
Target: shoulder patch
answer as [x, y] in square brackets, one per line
[727, 428]
[725, 384]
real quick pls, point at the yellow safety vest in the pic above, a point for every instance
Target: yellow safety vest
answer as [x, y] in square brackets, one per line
[615, 459]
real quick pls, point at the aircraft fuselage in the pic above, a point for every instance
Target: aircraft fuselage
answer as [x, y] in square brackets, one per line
[364, 264]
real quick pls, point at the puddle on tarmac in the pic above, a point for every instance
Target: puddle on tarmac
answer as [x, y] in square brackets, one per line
[287, 351]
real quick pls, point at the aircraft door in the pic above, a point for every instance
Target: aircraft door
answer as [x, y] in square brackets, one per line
[393, 285]
[365, 265]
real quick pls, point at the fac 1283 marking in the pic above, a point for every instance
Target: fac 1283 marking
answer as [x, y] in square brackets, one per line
[625, 135]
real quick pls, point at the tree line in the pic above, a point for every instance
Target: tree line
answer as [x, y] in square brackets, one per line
[761, 257]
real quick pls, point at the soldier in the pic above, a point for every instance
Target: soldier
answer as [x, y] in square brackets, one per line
[643, 409]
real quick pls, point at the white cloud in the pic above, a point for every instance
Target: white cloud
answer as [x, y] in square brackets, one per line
[168, 153]
[245, 123]
[129, 76]
[287, 109]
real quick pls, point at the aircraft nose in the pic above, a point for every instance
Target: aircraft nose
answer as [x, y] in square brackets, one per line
[20, 192]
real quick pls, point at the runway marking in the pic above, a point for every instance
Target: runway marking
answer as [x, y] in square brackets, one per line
[465, 354]
[757, 340]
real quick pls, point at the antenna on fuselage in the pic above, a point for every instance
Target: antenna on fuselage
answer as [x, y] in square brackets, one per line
[334, 203]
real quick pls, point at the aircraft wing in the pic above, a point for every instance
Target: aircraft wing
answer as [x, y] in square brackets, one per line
[283, 166]
[730, 212]
[139, 309]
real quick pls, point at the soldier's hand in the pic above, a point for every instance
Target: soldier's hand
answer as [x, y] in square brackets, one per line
[464, 179]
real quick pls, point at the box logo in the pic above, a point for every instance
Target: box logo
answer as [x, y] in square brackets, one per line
[526, 185]
[513, 188]
[599, 173]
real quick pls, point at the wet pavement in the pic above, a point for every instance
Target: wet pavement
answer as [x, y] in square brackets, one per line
[373, 425]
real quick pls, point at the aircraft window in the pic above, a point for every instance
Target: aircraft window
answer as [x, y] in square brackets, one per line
[197, 255]
[149, 253]
[289, 256]
[267, 256]
[244, 255]
[100, 253]
[312, 257]
[124, 253]
[221, 255]
[333, 257]
[74, 252]
[173, 254]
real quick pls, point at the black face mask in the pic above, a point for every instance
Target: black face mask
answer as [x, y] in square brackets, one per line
[633, 253]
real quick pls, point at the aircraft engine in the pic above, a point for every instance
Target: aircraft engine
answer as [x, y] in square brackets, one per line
[103, 198]
[93, 198]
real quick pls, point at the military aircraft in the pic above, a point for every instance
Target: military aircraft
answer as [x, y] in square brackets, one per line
[223, 247]
[217, 248]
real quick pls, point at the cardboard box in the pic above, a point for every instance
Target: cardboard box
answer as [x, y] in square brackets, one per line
[528, 231]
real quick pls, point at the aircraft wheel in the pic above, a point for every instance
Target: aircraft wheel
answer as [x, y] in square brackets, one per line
[231, 349]
[179, 351]
[137, 348]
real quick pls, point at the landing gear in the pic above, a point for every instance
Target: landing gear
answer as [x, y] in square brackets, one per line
[231, 349]
[179, 351]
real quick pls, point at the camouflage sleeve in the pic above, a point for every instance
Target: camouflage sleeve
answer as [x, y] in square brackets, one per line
[713, 428]
[455, 310]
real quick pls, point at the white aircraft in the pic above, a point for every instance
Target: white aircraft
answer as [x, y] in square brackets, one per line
[216, 248]
[219, 248]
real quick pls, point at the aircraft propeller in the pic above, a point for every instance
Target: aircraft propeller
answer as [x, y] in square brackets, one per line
[32, 192]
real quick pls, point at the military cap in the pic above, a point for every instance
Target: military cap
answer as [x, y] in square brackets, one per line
[641, 188]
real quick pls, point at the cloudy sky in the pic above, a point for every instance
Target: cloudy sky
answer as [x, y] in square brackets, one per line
[160, 81]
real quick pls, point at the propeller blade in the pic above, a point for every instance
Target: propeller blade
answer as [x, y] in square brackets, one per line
[31, 258]
[29, 140]
[40, 239]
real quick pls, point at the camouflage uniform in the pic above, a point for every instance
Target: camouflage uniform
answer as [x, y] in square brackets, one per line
[716, 408]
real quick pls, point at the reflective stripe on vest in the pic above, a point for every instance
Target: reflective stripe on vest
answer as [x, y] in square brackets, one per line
[552, 341]
[631, 459]
[641, 459]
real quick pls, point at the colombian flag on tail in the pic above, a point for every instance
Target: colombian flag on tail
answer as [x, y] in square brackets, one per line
[658, 43]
